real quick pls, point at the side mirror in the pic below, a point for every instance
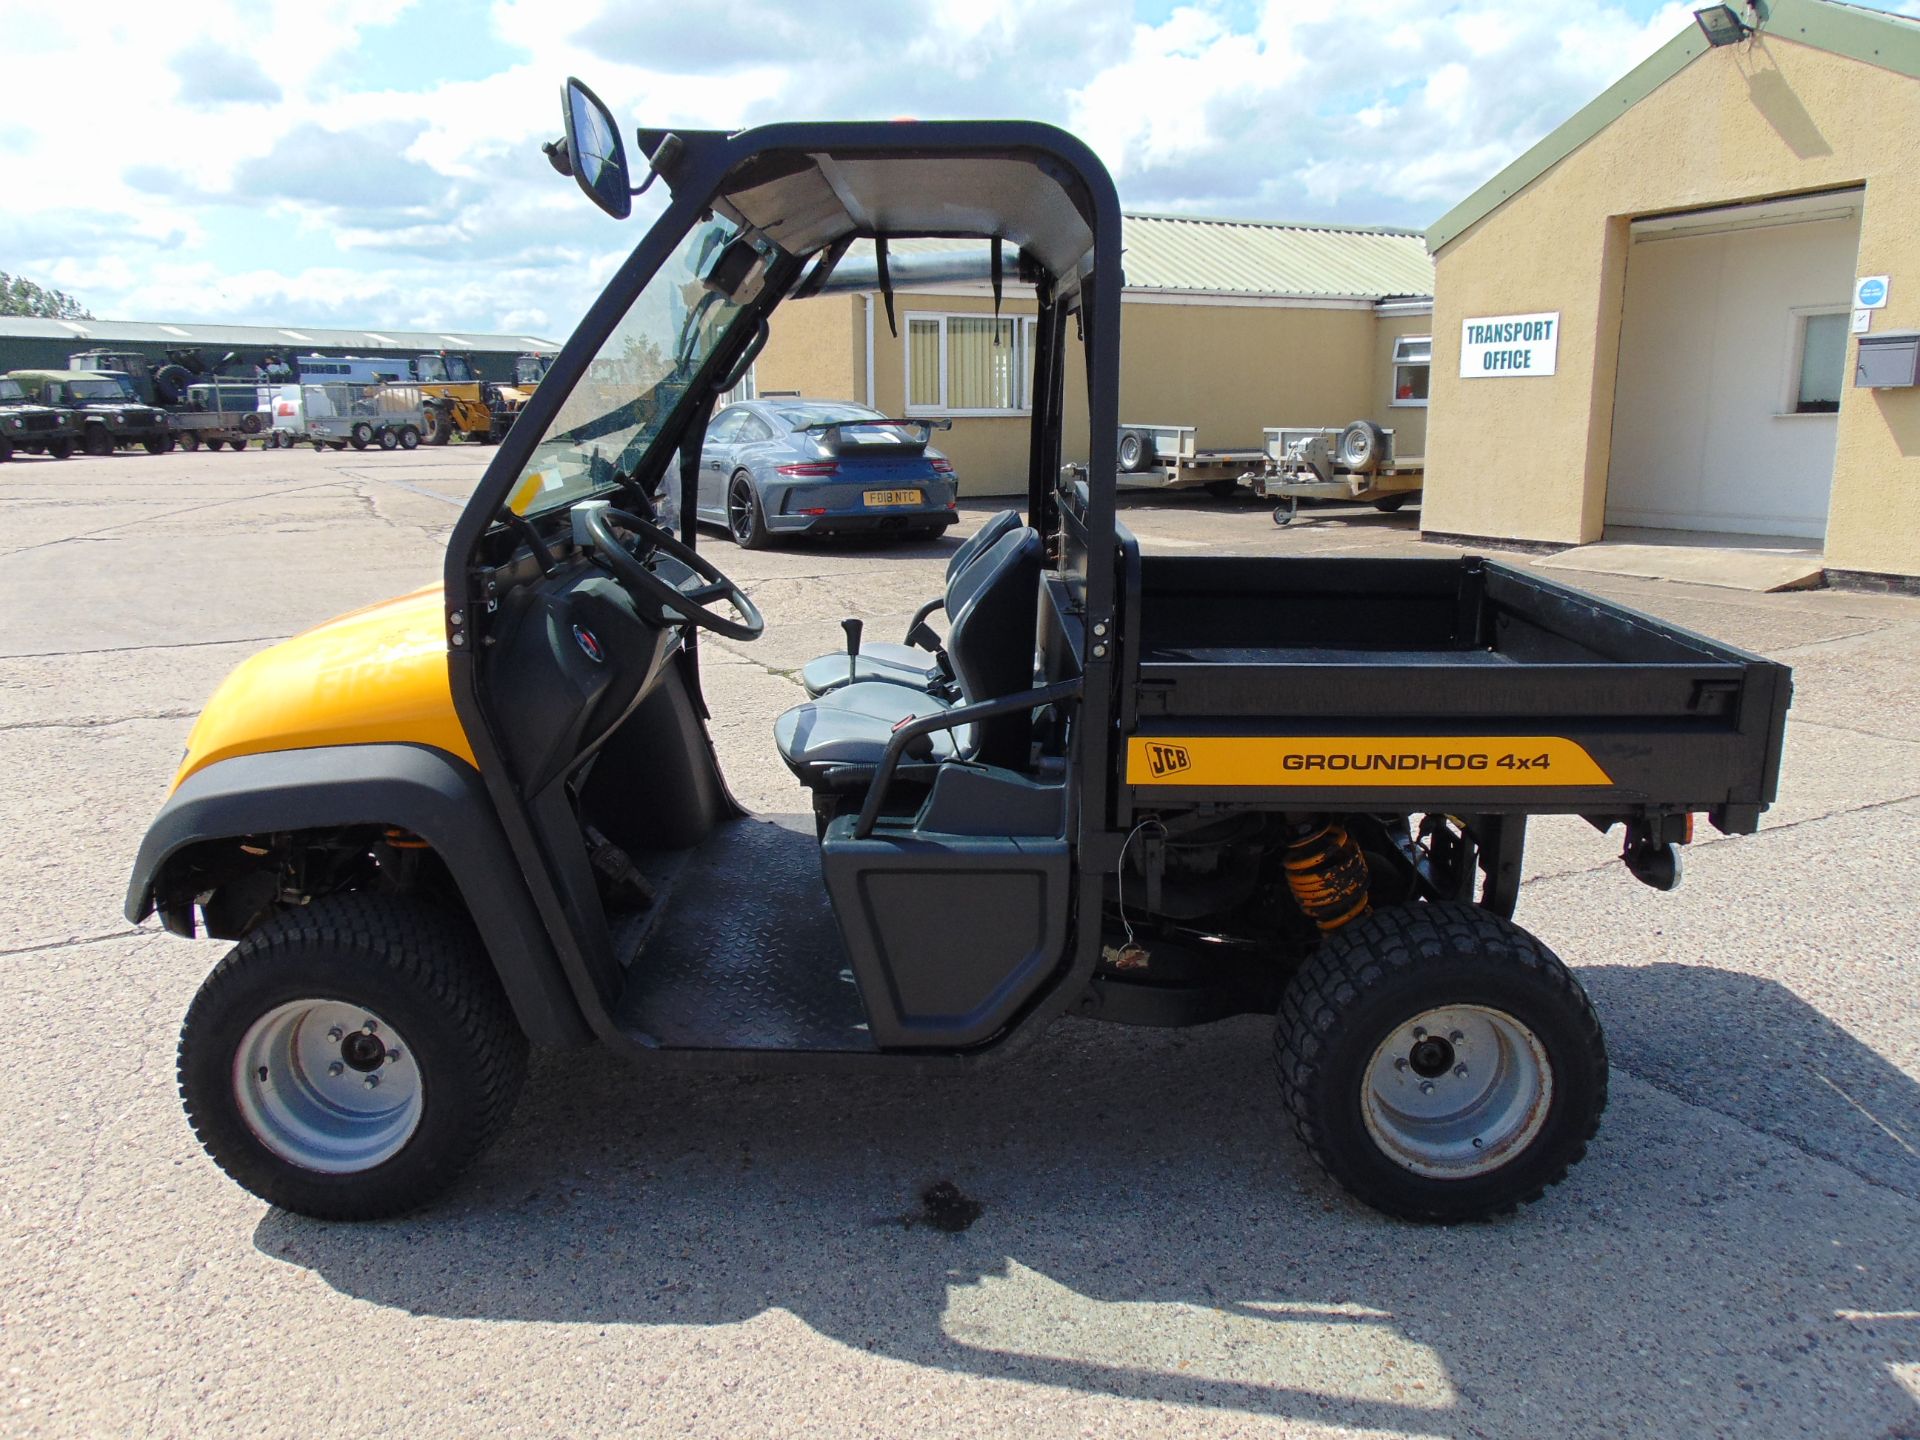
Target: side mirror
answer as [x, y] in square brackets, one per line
[595, 153]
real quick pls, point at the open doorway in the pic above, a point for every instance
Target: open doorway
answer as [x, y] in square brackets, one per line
[1732, 359]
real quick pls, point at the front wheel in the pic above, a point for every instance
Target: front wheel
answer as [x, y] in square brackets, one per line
[349, 1059]
[60, 449]
[745, 520]
[97, 441]
[1440, 1062]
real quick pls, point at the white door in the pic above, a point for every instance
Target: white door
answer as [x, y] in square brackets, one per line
[1732, 353]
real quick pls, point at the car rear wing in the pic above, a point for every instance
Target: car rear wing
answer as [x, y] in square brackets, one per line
[834, 438]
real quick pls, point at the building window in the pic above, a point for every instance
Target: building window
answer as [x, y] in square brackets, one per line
[1820, 367]
[970, 364]
[1412, 366]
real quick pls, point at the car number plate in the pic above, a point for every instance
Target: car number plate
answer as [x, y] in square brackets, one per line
[892, 497]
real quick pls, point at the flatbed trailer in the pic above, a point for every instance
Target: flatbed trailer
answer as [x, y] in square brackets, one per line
[1318, 464]
[1169, 457]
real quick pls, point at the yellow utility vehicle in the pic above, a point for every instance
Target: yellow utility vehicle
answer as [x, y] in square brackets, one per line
[1155, 790]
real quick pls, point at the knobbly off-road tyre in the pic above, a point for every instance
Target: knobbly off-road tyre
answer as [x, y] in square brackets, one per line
[1347, 1089]
[422, 974]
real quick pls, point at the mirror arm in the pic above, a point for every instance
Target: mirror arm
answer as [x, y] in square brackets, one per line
[556, 153]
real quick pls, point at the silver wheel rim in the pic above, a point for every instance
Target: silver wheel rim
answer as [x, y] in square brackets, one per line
[1457, 1091]
[740, 509]
[327, 1086]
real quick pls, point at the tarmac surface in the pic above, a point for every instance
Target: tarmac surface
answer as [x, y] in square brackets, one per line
[1153, 1252]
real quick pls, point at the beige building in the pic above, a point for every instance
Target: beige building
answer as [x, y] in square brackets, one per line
[1657, 317]
[1228, 326]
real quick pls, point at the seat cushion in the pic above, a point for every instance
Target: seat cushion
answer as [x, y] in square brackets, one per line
[884, 660]
[852, 725]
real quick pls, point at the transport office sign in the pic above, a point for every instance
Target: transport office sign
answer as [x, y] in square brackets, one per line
[1500, 345]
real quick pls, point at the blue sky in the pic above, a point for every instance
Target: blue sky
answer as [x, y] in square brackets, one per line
[376, 161]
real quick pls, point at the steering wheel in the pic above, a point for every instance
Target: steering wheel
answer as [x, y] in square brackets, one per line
[692, 605]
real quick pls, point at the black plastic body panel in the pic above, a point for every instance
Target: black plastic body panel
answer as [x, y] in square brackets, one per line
[950, 936]
[1287, 647]
[427, 791]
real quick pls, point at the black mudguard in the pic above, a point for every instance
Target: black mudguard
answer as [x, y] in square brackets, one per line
[439, 798]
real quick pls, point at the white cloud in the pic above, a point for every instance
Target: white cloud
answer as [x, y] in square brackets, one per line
[194, 193]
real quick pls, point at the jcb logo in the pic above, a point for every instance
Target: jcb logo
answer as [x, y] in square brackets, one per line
[1167, 759]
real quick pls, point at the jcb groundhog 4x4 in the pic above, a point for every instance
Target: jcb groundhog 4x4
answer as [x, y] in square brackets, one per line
[1159, 791]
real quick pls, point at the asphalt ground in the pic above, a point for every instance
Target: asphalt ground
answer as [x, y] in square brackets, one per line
[1156, 1255]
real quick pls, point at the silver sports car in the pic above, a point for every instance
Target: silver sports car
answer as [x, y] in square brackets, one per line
[818, 467]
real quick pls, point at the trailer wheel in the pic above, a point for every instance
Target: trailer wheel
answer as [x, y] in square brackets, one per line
[350, 1058]
[1440, 1062]
[389, 440]
[361, 435]
[1387, 504]
[1361, 448]
[190, 440]
[236, 442]
[1286, 510]
[409, 437]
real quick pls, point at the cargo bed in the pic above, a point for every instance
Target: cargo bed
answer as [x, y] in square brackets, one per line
[1377, 685]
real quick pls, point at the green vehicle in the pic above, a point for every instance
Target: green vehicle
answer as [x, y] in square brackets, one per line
[107, 412]
[30, 428]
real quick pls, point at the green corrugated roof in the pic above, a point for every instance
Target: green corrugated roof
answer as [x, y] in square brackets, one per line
[1258, 257]
[1199, 255]
[1873, 37]
[87, 334]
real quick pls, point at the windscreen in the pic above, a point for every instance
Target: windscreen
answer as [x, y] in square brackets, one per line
[633, 384]
[10, 390]
[103, 387]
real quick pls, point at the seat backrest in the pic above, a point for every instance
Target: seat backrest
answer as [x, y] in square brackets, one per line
[995, 529]
[995, 610]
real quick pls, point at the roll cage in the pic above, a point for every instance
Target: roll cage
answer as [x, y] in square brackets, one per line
[803, 194]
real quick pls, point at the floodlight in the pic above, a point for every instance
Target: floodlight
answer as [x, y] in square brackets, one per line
[1721, 26]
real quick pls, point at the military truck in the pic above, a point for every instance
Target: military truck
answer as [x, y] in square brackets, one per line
[203, 407]
[33, 429]
[107, 411]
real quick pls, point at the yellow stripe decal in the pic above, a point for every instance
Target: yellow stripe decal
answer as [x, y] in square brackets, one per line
[1385, 761]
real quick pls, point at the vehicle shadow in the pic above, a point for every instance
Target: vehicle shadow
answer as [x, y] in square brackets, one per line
[1150, 1230]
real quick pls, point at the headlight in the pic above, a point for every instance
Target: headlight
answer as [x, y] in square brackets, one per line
[13, 424]
[119, 419]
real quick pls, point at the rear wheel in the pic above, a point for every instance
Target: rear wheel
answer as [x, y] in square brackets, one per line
[1440, 1062]
[745, 520]
[236, 442]
[350, 1059]
[154, 445]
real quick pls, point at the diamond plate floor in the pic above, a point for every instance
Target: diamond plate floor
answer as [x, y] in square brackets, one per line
[743, 952]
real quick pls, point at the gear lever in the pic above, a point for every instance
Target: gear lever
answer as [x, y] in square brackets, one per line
[853, 628]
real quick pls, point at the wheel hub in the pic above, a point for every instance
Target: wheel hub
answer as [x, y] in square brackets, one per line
[327, 1086]
[1457, 1091]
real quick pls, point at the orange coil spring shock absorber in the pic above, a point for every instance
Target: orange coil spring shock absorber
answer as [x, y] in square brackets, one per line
[1328, 875]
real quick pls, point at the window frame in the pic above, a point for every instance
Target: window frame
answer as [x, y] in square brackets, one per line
[1396, 364]
[1025, 330]
[1797, 317]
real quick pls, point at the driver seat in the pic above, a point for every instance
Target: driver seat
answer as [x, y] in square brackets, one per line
[907, 663]
[995, 605]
